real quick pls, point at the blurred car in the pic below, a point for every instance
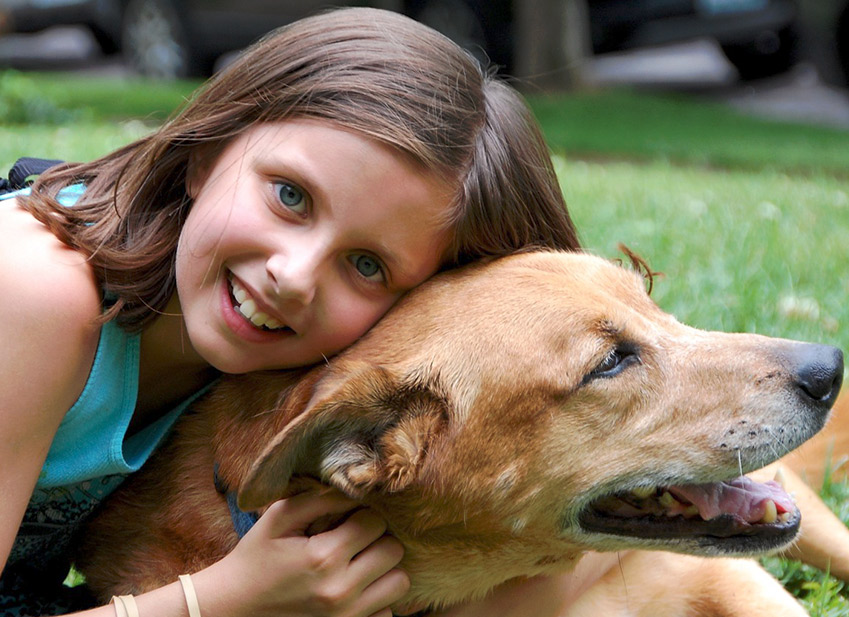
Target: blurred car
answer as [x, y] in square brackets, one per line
[163, 38]
[757, 36]
[172, 38]
[824, 33]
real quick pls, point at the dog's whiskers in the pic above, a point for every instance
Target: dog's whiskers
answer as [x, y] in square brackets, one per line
[771, 443]
[624, 582]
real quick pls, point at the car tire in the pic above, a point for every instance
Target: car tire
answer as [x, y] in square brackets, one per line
[105, 41]
[154, 40]
[771, 53]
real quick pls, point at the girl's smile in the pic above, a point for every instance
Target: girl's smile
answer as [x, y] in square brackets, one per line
[300, 238]
[243, 315]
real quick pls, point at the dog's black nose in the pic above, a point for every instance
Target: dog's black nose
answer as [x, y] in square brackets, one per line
[819, 373]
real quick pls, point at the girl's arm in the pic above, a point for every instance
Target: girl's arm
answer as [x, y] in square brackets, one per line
[276, 570]
[48, 339]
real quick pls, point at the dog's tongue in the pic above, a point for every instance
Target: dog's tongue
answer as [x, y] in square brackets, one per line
[741, 497]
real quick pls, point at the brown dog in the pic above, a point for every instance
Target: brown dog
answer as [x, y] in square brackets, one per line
[504, 419]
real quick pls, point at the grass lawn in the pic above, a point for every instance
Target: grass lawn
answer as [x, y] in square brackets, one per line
[622, 123]
[748, 219]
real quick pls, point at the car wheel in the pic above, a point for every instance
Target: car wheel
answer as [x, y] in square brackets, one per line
[771, 53]
[154, 40]
[456, 19]
[107, 43]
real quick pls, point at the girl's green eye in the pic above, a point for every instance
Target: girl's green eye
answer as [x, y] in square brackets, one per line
[367, 266]
[291, 196]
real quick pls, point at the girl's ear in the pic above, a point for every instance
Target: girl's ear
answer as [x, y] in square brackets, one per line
[363, 433]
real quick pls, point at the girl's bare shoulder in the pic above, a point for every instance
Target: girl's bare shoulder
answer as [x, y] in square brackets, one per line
[43, 276]
[48, 322]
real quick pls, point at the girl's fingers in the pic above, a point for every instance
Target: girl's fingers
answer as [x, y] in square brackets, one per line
[378, 559]
[357, 533]
[292, 516]
[386, 590]
[352, 565]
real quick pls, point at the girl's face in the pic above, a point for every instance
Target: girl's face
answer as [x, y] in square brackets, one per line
[301, 237]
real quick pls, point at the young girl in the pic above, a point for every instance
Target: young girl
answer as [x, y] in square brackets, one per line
[338, 163]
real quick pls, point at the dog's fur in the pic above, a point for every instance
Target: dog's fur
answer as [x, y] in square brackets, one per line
[481, 418]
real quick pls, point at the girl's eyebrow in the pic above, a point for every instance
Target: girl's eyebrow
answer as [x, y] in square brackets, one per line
[298, 172]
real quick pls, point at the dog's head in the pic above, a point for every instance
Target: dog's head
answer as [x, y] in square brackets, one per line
[505, 417]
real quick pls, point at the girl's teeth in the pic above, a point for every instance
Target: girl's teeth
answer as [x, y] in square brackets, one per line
[259, 319]
[247, 307]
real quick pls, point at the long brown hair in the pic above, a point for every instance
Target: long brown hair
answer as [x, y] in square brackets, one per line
[371, 71]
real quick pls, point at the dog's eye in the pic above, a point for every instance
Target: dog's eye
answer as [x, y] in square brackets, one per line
[613, 363]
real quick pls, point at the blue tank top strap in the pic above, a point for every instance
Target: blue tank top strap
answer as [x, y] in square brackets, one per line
[101, 415]
[68, 196]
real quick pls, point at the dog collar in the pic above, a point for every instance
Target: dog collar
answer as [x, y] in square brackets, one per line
[242, 521]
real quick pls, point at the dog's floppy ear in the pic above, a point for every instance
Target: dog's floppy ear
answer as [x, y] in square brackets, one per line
[360, 433]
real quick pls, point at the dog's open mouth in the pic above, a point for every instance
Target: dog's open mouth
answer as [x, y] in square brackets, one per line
[737, 508]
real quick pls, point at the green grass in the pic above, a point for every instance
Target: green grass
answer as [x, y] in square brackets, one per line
[75, 118]
[668, 127]
[748, 219]
[58, 98]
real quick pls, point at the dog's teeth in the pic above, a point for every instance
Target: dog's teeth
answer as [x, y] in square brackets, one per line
[779, 477]
[691, 511]
[668, 501]
[784, 517]
[641, 492]
[770, 513]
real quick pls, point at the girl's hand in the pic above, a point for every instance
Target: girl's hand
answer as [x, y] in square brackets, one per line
[276, 569]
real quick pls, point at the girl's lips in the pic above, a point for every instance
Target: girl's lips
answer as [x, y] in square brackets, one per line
[241, 326]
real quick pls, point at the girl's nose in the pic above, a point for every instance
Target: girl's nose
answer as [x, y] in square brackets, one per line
[293, 278]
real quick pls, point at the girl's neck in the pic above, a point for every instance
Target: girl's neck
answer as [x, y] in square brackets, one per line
[170, 370]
